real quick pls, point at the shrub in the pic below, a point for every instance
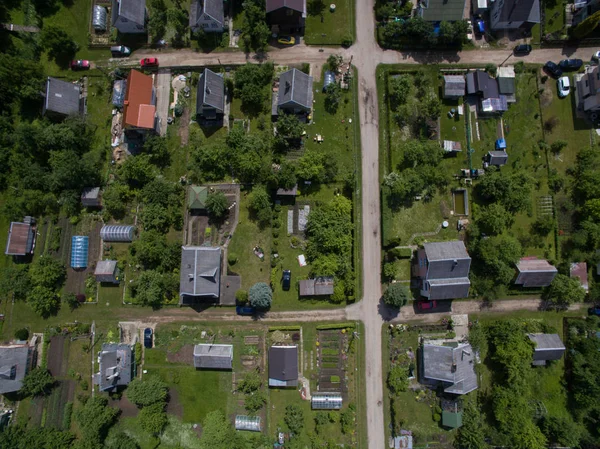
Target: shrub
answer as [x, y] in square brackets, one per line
[437, 417]
[22, 334]
[260, 295]
[241, 297]
[232, 258]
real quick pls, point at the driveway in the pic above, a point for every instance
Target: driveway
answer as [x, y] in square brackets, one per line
[163, 98]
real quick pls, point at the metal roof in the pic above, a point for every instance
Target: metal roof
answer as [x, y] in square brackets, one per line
[319, 286]
[449, 288]
[20, 239]
[133, 10]
[454, 366]
[117, 233]
[62, 97]
[115, 366]
[214, 8]
[452, 420]
[534, 272]
[498, 158]
[79, 251]
[197, 197]
[200, 272]
[295, 89]
[211, 356]
[139, 104]
[245, 422]
[105, 267]
[480, 82]
[211, 92]
[517, 11]
[14, 364]
[454, 85]
[296, 5]
[283, 364]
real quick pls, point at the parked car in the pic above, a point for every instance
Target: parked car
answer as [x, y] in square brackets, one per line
[120, 50]
[147, 338]
[80, 64]
[594, 311]
[241, 310]
[149, 62]
[480, 26]
[564, 86]
[570, 64]
[287, 40]
[523, 49]
[426, 305]
[553, 69]
[286, 280]
[596, 56]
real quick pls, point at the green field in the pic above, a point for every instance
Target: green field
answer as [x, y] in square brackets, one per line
[324, 27]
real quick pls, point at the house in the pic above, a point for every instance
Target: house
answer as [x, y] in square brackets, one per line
[443, 270]
[451, 147]
[90, 197]
[139, 107]
[497, 158]
[588, 89]
[116, 366]
[453, 367]
[210, 102]
[481, 85]
[283, 366]
[547, 347]
[200, 277]
[15, 362]
[211, 356]
[207, 15]
[506, 83]
[107, 271]
[21, 238]
[514, 14]
[534, 272]
[295, 94]
[320, 286]
[442, 10]
[579, 271]
[286, 16]
[63, 99]
[197, 196]
[454, 86]
[129, 16]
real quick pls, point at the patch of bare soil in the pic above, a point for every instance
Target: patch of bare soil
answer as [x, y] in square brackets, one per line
[128, 410]
[547, 95]
[56, 356]
[184, 355]
[174, 407]
[184, 127]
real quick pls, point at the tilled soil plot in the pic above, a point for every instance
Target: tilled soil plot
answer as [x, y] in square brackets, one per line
[184, 355]
[174, 407]
[55, 404]
[57, 356]
[128, 410]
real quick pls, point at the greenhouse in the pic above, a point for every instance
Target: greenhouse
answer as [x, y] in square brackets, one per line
[245, 422]
[326, 401]
[79, 251]
[117, 233]
[328, 79]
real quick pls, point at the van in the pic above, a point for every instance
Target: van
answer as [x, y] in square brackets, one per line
[120, 50]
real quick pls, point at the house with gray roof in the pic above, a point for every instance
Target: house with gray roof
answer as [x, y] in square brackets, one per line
[485, 88]
[283, 366]
[452, 366]
[443, 270]
[209, 356]
[514, 14]
[547, 347]
[207, 15]
[442, 10]
[129, 16]
[295, 94]
[210, 101]
[286, 16]
[200, 274]
[534, 272]
[15, 362]
[63, 98]
[116, 366]
[454, 86]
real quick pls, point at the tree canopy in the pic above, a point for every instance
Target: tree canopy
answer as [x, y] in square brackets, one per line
[95, 419]
[564, 291]
[150, 390]
[37, 382]
[260, 296]
[397, 295]
[217, 205]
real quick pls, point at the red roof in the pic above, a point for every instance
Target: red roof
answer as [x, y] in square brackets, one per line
[20, 239]
[138, 110]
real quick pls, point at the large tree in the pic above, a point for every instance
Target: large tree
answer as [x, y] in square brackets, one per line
[153, 418]
[146, 392]
[60, 46]
[260, 204]
[217, 205]
[397, 295]
[260, 296]
[398, 379]
[43, 300]
[294, 418]
[216, 431]
[47, 272]
[563, 292]
[95, 419]
[289, 126]
[37, 382]
[493, 219]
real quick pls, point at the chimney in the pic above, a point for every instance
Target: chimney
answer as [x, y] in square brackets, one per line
[191, 277]
[453, 370]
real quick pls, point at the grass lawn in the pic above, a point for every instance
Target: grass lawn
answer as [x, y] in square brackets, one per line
[555, 17]
[177, 435]
[330, 28]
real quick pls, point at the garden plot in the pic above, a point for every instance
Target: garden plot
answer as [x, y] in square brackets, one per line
[331, 360]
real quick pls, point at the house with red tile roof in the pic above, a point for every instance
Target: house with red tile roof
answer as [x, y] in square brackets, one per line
[139, 106]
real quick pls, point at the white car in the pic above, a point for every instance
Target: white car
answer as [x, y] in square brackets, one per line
[596, 56]
[564, 86]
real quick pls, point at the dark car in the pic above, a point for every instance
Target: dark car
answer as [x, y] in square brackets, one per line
[523, 49]
[80, 64]
[286, 279]
[570, 64]
[147, 338]
[553, 69]
[594, 310]
[120, 50]
[241, 310]
[426, 305]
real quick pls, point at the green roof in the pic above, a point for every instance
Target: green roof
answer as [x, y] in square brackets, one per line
[197, 197]
[444, 10]
[452, 419]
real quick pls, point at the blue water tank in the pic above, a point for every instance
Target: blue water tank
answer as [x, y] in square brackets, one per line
[500, 144]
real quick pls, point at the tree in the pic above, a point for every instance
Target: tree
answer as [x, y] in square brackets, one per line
[260, 295]
[216, 431]
[294, 418]
[289, 126]
[217, 205]
[543, 225]
[157, 150]
[333, 97]
[417, 153]
[95, 419]
[47, 272]
[153, 252]
[120, 441]
[397, 295]
[37, 382]
[339, 293]
[495, 258]
[334, 61]
[146, 392]
[260, 204]
[115, 198]
[151, 288]
[255, 401]
[60, 46]
[558, 146]
[400, 88]
[250, 383]
[241, 297]
[22, 334]
[586, 26]
[157, 24]
[137, 171]
[17, 436]
[494, 219]
[155, 217]
[563, 291]
[471, 435]
[591, 210]
[398, 379]
[44, 301]
[432, 106]
[562, 431]
[209, 161]
[70, 299]
[15, 280]
[153, 418]
[179, 19]
[512, 191]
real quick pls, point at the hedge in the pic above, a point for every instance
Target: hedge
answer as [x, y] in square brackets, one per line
[324, 327]
[284, 328]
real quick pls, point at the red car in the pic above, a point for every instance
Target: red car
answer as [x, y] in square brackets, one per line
[80, 64]
[426, 305]
[149, 62]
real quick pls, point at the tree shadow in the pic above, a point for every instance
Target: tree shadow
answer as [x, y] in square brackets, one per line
[315, 7]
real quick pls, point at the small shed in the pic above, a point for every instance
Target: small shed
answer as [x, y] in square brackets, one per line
[79, 251]
[328, 79]
[547, 347]
[454, 86]
[497, 158]
[117, 233]
[197, 198]
[107, 271]
[320, 286]
[451, 146]
[90, 197]
[293, 192]
[245, 422]
[500, 144]
[212, 356]
[326, 401]
[452, 420]
[579, 271]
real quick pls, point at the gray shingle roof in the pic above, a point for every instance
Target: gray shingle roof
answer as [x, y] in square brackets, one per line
[211, 92]
[443, 10]
[200, 272]
[454, 85]
[534, 272]
[214, 8]
[209, 356]
[133, 10]
[449, 288]
[497, 157]
[316, 287]
[283, 363]
[454, 366]
[506, 86]
[296, 5]
[115, 366]
[14, 364]
[547, 346]
[62, 97]
[479, 82]
[520, 11]
[295, 89]
[447, 260]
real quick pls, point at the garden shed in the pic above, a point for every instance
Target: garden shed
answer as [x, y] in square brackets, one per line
[452, 420]
[107, 271]
[117, 233]
[79, 251]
